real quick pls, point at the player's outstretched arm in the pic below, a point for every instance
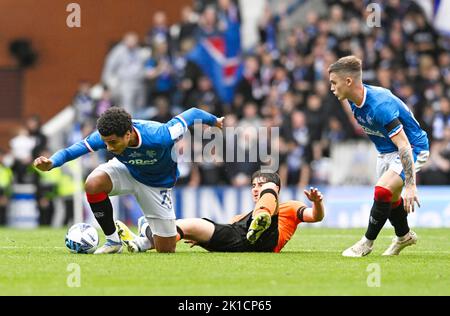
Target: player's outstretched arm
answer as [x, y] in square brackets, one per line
[179, 125]
[317, 212]
[194, 115]
[62, 156]
[406, 158]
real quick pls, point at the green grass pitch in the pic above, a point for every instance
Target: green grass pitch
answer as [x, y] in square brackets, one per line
[36, 262]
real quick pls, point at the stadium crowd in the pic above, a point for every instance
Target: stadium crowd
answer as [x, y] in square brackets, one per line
[284, 84]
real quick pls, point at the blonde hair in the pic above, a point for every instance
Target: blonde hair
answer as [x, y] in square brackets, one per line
[348, 65]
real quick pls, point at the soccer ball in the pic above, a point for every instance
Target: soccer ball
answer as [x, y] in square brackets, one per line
[82, 238]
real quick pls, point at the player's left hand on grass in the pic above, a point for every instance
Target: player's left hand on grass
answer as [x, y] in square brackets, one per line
[192, 243]
[410, 198]
[314, 195]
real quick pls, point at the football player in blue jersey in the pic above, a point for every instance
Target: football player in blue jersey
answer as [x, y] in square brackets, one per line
[402, 146]
[142, 165]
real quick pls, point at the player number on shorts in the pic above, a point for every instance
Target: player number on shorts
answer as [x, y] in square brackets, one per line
[166, 198]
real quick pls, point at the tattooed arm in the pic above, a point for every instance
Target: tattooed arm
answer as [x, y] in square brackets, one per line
[406, 157]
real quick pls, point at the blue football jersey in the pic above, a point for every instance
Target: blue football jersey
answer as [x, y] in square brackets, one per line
[379, 108]
[150, 162]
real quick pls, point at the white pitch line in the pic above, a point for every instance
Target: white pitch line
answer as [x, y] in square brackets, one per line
[379, 238]
[410, 252]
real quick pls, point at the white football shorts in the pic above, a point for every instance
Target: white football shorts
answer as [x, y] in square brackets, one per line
[392, 161]
[156, 203]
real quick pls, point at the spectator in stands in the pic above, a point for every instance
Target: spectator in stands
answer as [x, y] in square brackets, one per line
[33, 125]
[272, 26]
[297, 169]
[335, 132]
[228, 10]
[317, 118]
[423, 35]
[207, 23]
[240, 168]
[159, 32]
[281, 82]
[124, 72]
[209, 170]
[249, 87]
[104, 103]
[266, 73]
[205, 94]
[159, 72]
[441, 119]
[444, 64]
[83, 104]
[338, 26]
[22, 147]
[187, 74]
[187, 27]
[162, 110]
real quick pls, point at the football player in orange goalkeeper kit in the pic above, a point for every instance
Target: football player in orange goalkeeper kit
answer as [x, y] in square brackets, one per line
[265, 229]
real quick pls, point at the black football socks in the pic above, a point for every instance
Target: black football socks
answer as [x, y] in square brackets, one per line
[399, 219]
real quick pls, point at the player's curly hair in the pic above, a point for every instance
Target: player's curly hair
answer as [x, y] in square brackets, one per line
[269, 176]
[115, 121]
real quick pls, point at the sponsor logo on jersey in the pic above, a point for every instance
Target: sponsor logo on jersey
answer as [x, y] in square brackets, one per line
[372, 132]
[142, 162]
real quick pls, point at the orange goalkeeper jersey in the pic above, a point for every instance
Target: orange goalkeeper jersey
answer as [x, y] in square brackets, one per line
[287, 221]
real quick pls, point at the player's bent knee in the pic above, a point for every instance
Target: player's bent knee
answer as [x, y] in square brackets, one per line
[382, 194]
[91, 186]
[97, 183]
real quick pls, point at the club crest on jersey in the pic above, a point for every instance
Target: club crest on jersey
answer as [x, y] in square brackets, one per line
[360, 119]
[150, 153]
